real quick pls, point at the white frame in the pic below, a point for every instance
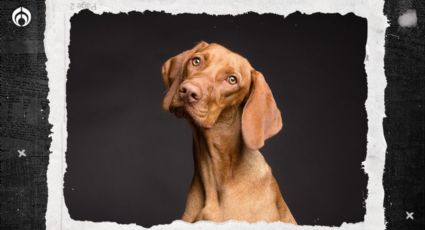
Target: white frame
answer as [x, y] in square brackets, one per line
[57, 37]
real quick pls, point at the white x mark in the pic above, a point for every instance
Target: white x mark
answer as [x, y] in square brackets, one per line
[409, 215]
[22, 153]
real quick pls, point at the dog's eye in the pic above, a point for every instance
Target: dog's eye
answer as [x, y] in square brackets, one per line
[196, 61]
[232, 80]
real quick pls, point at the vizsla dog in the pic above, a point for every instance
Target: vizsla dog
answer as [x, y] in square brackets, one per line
[232, 112]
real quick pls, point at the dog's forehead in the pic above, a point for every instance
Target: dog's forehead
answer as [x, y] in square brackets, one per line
[214, 47]
[218, 53]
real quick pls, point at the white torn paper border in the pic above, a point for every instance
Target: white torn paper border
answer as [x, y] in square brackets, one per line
[57, 38]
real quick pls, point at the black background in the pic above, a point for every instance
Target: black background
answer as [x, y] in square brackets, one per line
[24, 125]
[128, 161]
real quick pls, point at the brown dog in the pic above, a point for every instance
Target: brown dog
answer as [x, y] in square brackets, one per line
[232, 112]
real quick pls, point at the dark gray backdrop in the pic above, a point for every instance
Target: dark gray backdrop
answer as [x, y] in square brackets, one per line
[128, 161]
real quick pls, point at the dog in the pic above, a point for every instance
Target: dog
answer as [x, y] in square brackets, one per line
[232, 112]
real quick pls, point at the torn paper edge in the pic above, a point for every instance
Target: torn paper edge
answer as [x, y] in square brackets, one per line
[57, 38]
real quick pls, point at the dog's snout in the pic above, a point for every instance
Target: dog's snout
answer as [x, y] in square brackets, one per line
[190, 92]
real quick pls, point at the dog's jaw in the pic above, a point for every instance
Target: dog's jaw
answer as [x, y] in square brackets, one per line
[199, 119]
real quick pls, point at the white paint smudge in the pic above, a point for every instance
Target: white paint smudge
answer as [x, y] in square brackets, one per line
[408, 19]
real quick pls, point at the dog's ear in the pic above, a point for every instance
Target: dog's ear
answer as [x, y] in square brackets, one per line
[173, 71]
[261, 119]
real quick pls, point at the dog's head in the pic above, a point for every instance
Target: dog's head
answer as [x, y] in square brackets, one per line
[206, 80]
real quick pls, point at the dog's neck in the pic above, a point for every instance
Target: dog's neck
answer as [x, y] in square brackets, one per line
[217, 150]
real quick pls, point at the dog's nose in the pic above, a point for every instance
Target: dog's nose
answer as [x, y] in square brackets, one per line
[190, 93]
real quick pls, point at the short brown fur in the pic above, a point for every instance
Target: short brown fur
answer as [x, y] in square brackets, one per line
[230, 122]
